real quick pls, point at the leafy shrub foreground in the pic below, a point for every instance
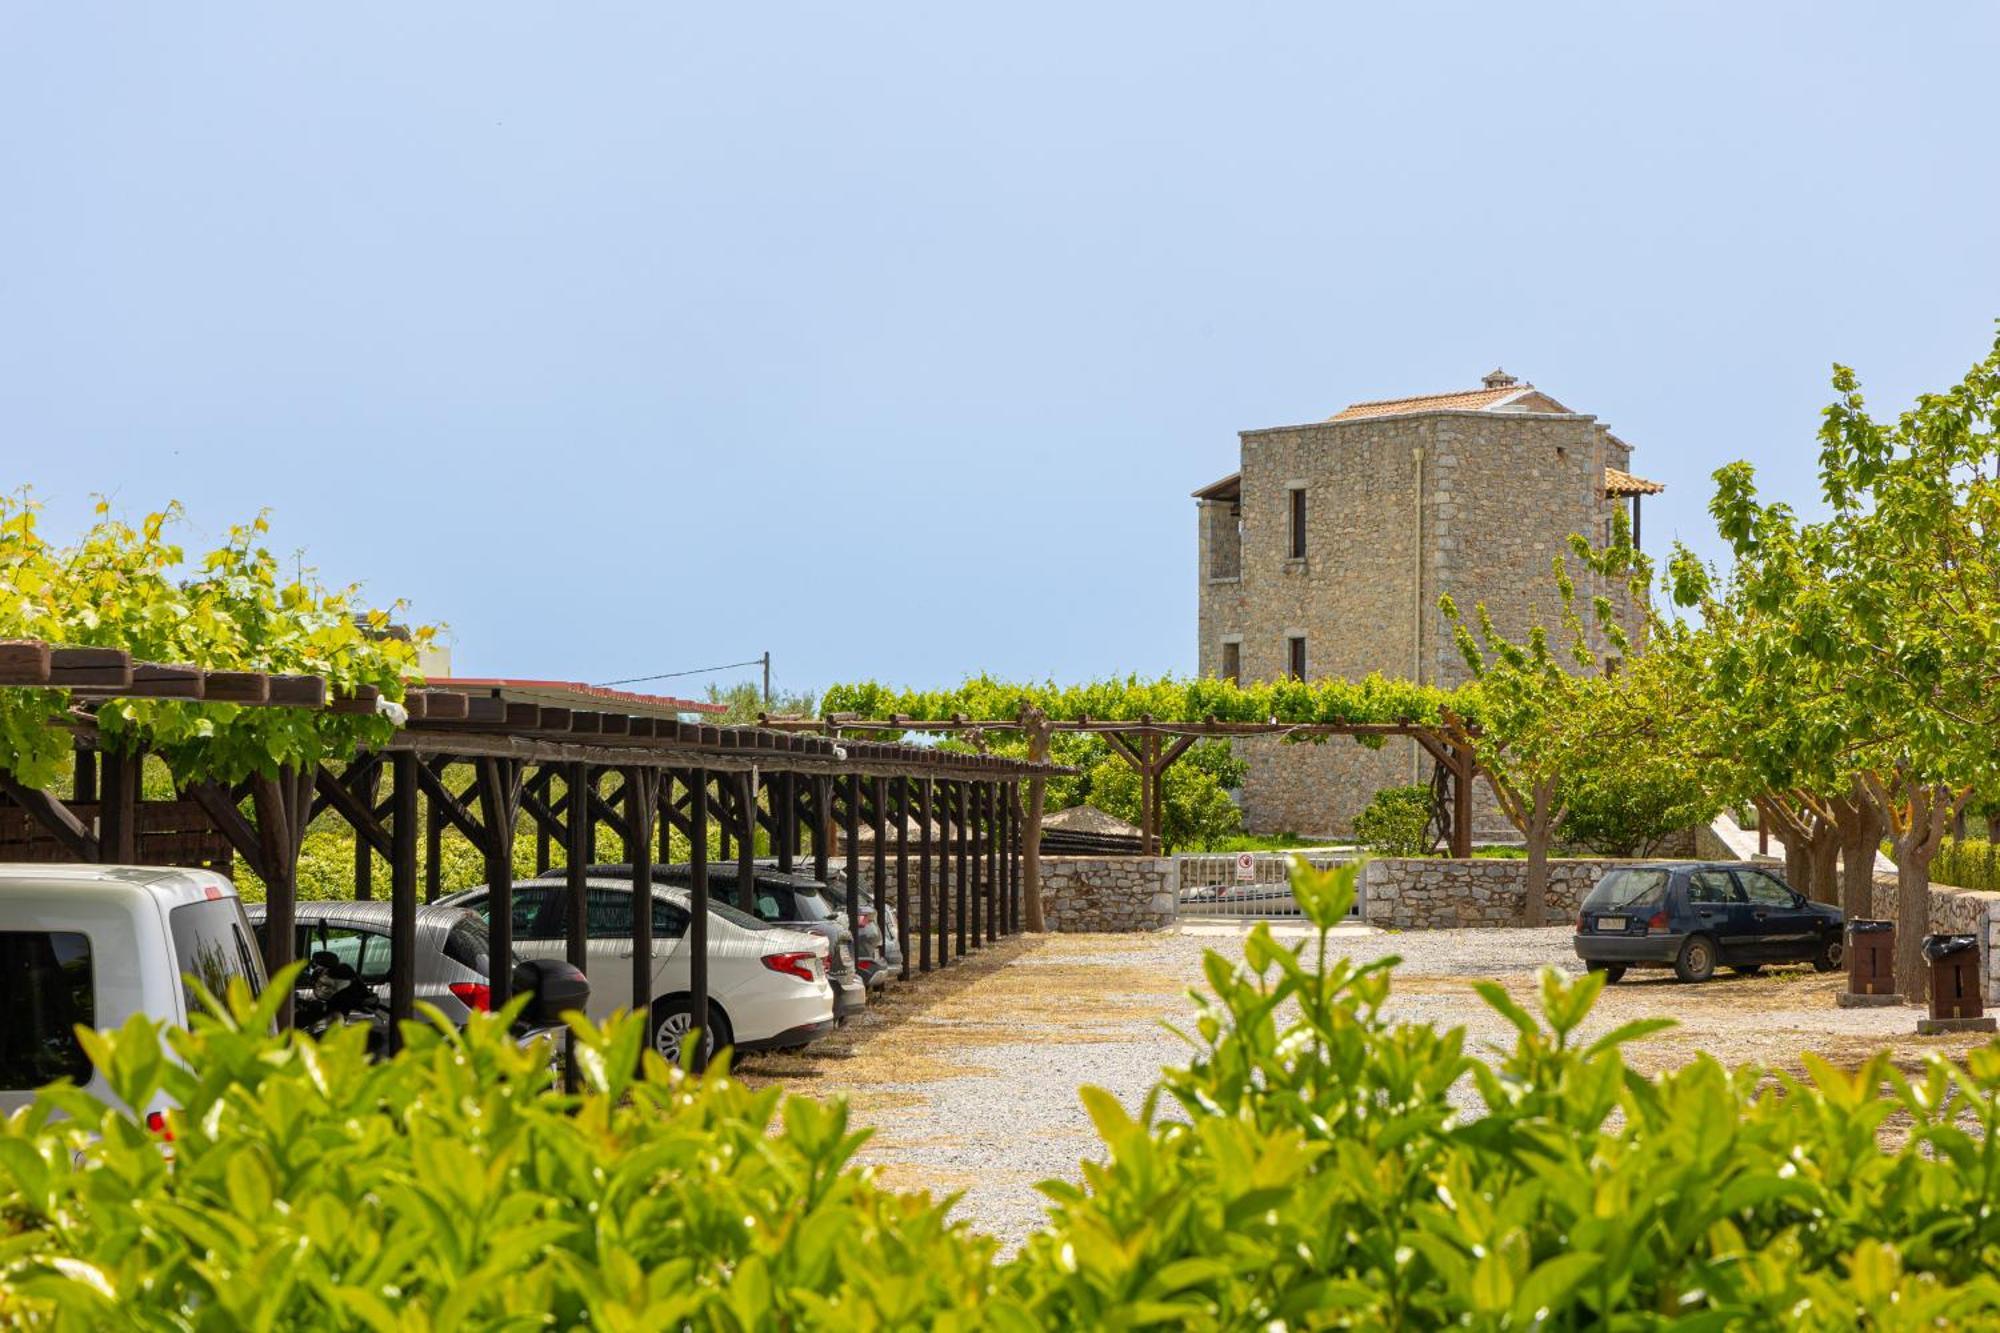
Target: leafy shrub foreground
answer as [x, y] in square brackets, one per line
[1305, 1170]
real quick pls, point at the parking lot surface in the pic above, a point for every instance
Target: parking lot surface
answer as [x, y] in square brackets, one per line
[969, 1078]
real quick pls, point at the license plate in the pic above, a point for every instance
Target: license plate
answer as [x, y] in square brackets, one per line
[1611, 923]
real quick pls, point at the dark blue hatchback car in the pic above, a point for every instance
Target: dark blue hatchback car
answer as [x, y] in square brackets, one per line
[1694, 916]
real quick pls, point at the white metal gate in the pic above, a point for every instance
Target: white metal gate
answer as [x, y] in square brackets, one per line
[1213, 883]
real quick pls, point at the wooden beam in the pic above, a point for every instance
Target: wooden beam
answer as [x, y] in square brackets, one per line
[89, 666]
[236, 687]
[24, 662]
[220, 805]
[358, 813]
[450, 805]
[48, 810]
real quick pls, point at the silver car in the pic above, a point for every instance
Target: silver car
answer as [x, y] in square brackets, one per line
[453, 949]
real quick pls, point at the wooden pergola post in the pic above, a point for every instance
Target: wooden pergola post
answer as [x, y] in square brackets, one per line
[852, 796]
[698, 909]
[1013, 799]
[975, 833]
[902, 810]
[879, 797]
[498, 782]
[995, 892]
[926, 857]
[118, 808]
[746, 839]
[962, 848]
[433, 851]
[785, 812]
[403, 835]
[945, 870]
[1464, 768]
[642, 805]
[581, 826]
[364, 778]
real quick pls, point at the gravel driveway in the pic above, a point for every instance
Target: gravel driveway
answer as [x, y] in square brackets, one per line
[969, 1077]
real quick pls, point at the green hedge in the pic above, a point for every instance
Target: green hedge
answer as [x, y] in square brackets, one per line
[1395, 820]
[1309, 1168]
[1966, 863]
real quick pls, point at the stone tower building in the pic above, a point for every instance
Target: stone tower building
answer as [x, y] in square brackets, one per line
[1326, 552]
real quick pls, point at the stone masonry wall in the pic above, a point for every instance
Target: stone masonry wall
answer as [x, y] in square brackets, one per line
[1953, 912]
[1110, 893]
[1432, 893]
[1493, 500]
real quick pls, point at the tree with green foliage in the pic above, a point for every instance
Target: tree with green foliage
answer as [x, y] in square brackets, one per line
[743, 702]
[1546, 716]
[1894, 600]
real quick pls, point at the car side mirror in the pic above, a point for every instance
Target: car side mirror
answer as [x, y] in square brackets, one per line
[554, 988]
[1798, 899]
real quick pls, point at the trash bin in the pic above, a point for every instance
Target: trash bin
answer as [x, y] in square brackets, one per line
[1871, 957]
[1955, 990]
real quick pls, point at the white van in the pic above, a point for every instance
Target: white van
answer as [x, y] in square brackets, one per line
[92, 945]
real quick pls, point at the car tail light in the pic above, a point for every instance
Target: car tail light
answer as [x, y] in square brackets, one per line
[798, 965]
[156, 1123]
[476, 995]
[1581, 928]
[1657, 921]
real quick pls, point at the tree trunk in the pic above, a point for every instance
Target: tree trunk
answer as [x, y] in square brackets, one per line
[1918, 814]
[1993, 826]
[1822, 861]
[1540, 830]
[1913, 921]
[1035, 726]
[1860, 825]
[1786, 825]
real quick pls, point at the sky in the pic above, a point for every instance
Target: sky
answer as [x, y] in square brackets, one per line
[891, 339]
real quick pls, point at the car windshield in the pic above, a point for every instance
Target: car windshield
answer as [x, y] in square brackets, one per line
[1627, 888]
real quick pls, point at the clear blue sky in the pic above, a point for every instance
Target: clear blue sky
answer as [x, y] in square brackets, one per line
[891, 338]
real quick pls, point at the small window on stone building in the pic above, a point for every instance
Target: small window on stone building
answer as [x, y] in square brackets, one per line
[1296, 547]
[1232, 661]
[1295, 656]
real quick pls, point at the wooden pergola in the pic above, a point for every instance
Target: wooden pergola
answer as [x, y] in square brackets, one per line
[625, 762]
[1152, 746]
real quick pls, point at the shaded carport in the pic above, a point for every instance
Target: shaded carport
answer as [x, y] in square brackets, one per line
[519, 740]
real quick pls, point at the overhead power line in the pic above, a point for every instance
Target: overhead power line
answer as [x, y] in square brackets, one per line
[764, 661]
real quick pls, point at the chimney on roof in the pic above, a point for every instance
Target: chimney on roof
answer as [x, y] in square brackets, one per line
[1498, 379]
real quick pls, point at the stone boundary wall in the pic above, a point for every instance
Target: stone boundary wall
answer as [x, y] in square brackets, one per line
[1953, 912]
[1429, 893]
[1110, 893]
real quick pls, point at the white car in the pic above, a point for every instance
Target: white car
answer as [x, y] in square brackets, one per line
[93, 945]
[767, 987]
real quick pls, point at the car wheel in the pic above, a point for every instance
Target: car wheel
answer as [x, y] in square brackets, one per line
[1697, 959]
[1613, 972]
[1832, 955]
[1746, 969]
[674, 1018]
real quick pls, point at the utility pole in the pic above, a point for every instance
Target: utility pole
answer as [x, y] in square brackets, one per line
[767, 678]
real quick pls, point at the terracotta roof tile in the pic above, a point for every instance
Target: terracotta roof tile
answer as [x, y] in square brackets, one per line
[1618, 484]
[1469, 400]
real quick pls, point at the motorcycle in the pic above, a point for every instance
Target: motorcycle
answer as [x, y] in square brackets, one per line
[331, 994]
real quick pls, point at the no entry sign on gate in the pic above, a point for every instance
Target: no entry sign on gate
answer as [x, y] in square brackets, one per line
[1246, 867]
